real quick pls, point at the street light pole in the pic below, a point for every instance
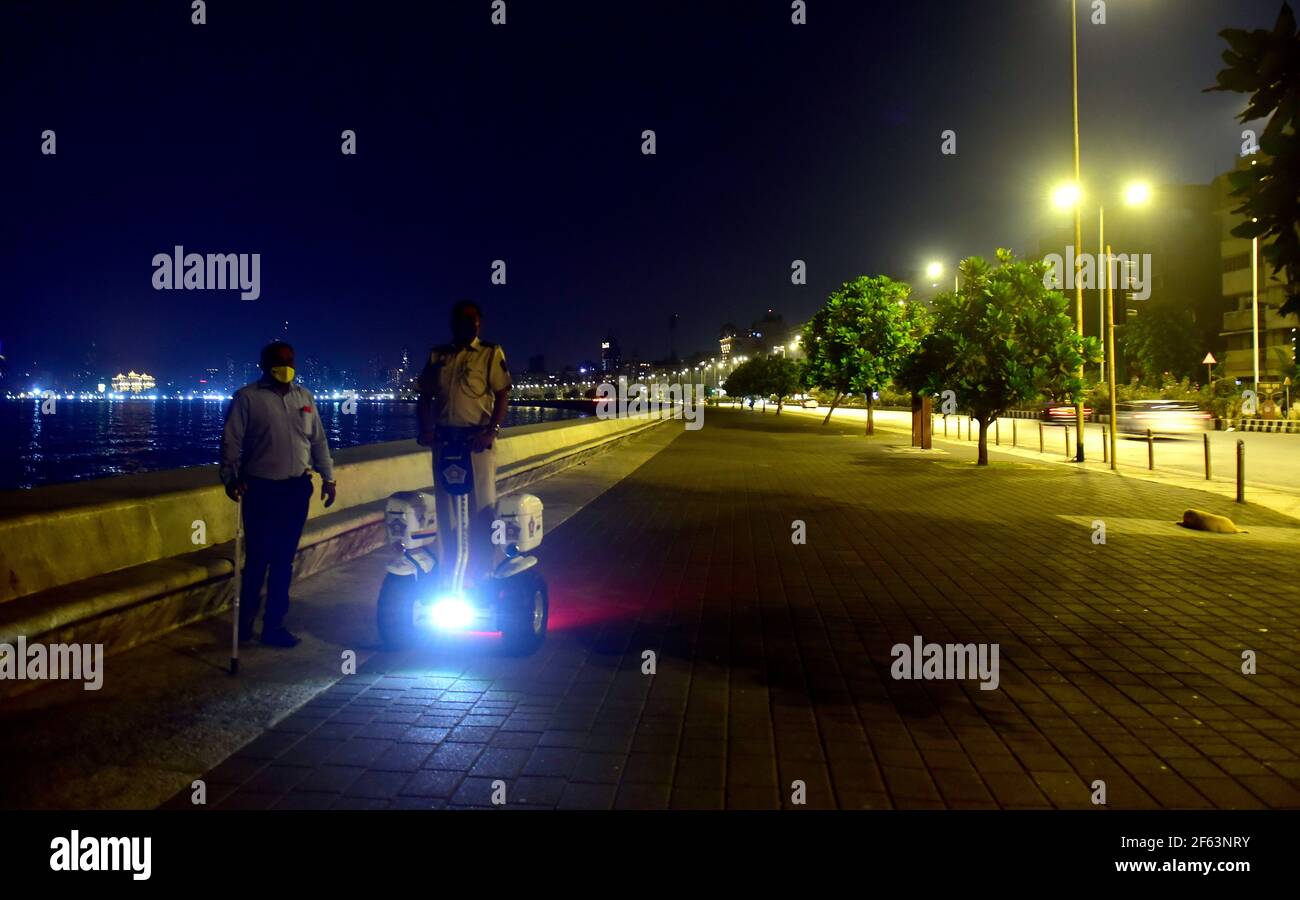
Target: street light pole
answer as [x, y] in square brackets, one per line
[1101, 293]
[1254, 306]
[1078, 217]
[1110, 356]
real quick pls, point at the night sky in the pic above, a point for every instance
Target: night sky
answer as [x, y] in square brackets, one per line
[522, 142]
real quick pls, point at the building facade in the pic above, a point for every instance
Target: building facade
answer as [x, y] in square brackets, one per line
[133, 383]
[1277, 333]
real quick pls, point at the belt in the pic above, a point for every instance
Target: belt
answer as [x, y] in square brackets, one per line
[456, 432]
[306, 473]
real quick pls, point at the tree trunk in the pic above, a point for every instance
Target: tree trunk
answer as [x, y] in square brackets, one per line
[778, 405]
[871, 417]
[834, 403]
[984, 443]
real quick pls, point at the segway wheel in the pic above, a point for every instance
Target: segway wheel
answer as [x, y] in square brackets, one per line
[396, 612]
[525, 627]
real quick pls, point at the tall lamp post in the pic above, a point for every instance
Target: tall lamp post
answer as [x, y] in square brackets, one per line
[1254, 305]
[1078, 215]
[1101, 292]
[1137, 193]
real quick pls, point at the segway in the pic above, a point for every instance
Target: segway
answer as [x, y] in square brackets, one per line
[417, 601]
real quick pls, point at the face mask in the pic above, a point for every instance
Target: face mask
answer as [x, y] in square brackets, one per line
[282, 374]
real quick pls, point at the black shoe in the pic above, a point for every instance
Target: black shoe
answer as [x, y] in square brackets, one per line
[279, 637]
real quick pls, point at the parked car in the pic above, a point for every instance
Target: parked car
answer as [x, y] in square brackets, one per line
[810, 403]
[1063, 413]
[1163, 417]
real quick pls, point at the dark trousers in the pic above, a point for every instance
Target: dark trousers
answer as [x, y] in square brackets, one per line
[274, 513]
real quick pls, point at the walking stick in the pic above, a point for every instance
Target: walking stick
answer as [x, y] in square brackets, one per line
[234, 607]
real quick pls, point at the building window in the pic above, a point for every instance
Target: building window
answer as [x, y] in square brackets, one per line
[1236, 263]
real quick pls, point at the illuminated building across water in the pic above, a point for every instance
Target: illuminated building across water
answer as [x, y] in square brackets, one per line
[132, 383]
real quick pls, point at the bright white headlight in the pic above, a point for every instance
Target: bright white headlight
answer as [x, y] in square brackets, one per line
[451, 613]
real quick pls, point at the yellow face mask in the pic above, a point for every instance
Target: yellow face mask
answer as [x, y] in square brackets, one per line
[282, 374]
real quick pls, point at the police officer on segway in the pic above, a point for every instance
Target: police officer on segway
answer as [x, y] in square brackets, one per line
[464, 390]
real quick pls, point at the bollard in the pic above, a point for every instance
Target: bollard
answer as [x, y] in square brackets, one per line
[1241, 471]
[1013, 432]
[1151, 451]
[945, 426]
[1105, 446]
[1067, 441]
[1040, 437]
[997, 432]
[970, 429]
[1207, 455]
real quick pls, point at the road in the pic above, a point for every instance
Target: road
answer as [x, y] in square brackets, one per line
[1273, 460]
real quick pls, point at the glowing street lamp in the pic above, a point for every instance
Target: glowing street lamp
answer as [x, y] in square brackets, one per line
[1067, 196]
[1137, 193]
[933, 272]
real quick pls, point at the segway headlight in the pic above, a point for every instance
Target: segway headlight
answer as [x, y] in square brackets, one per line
[451, 614]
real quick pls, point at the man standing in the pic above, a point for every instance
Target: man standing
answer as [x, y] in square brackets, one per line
[273, 436]
[464, 390]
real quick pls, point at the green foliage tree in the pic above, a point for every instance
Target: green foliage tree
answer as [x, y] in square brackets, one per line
[743, 381]
[1266, 65]
[765, 376]
[1003, 339]
[782, 377]
[857, 342]
[1163, 339]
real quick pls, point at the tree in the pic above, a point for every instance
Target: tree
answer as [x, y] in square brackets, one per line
[859, 339]
[1003, 339]
[1164, 338]
[782, 377]
[1266, 65]
[744, 379]
[765, 376]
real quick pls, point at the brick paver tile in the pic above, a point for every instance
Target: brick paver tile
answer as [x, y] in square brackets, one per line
[1118, 662]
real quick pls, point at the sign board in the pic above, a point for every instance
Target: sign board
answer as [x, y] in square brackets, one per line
[1209, 360]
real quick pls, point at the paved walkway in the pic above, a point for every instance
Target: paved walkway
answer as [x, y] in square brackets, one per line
[168, 711]
[1118, 661]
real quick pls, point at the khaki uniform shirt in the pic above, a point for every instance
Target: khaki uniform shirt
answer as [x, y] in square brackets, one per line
[462, 382]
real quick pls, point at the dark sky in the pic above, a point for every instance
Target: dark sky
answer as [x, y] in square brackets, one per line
[522, 142]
